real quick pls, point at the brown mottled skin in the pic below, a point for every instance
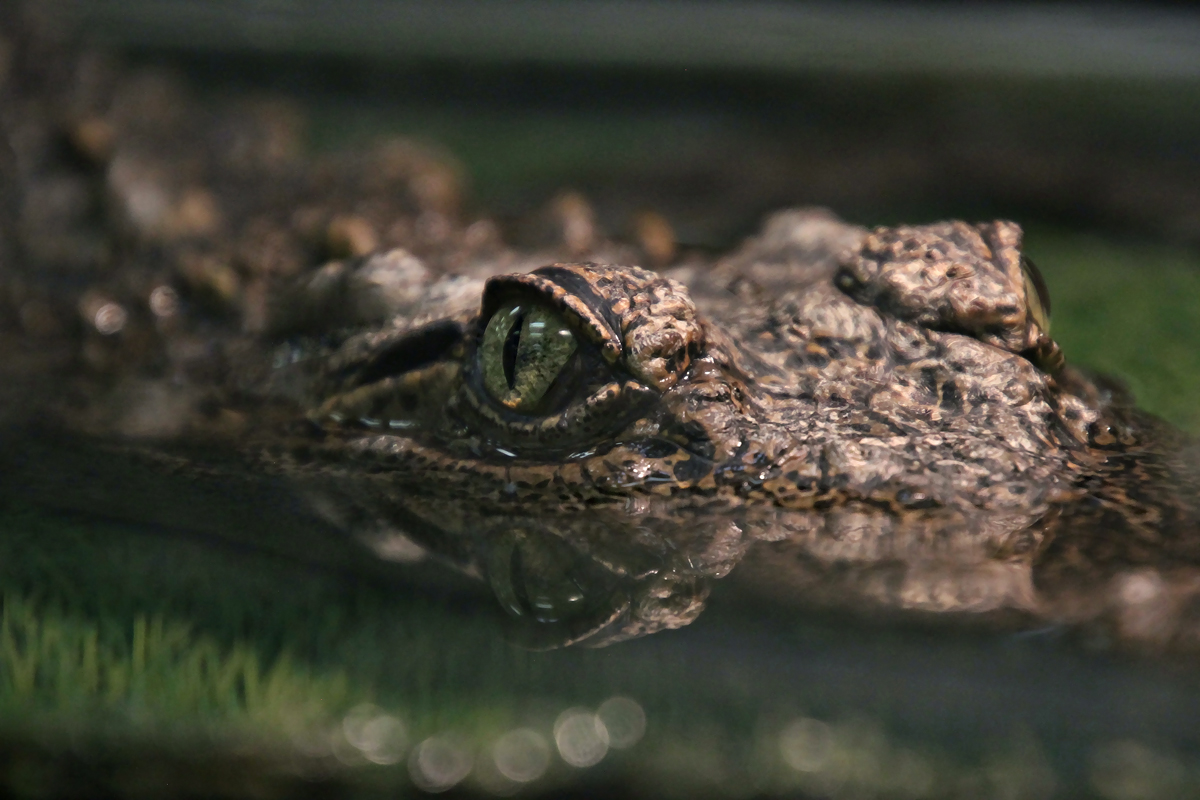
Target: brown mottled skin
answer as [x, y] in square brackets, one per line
[858, 418]
[898, 459]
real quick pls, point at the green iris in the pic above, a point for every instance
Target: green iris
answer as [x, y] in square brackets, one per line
[525, 347]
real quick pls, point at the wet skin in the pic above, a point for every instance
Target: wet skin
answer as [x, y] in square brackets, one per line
[883, 414]
[865, 419]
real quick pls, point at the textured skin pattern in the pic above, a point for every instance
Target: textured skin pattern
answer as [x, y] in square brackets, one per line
[892, 458]
[864, 419]
[952, 277]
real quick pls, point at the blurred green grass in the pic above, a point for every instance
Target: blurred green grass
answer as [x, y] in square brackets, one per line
[1129, 309]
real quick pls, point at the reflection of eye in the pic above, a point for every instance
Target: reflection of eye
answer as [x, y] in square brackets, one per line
[525, 347]
[538, 579]
[556, 595]
[1037, 296]
[541, 579]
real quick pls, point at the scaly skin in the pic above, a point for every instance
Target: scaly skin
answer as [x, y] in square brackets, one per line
[876, 419]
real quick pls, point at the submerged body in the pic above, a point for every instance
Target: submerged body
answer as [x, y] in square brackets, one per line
[859, 419]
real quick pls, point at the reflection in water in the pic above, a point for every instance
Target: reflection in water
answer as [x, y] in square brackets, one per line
[745, 698]
[618, 575]
[557, 596]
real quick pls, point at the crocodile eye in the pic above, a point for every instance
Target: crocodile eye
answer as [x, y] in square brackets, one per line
[525, 347]
[1037, 296]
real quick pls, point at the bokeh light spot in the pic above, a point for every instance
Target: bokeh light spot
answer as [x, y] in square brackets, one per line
[581, 737]
[438, 763]
[522, 755]
[624, 720]
[806, 744]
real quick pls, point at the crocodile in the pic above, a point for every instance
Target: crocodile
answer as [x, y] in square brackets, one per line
[866, 419]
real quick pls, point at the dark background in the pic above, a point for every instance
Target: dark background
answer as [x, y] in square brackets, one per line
[1082, 114]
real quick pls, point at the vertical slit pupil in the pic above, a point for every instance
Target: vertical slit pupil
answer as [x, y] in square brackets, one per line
[512, 344]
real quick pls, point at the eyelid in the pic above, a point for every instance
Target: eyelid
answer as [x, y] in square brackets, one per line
[588, 324]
